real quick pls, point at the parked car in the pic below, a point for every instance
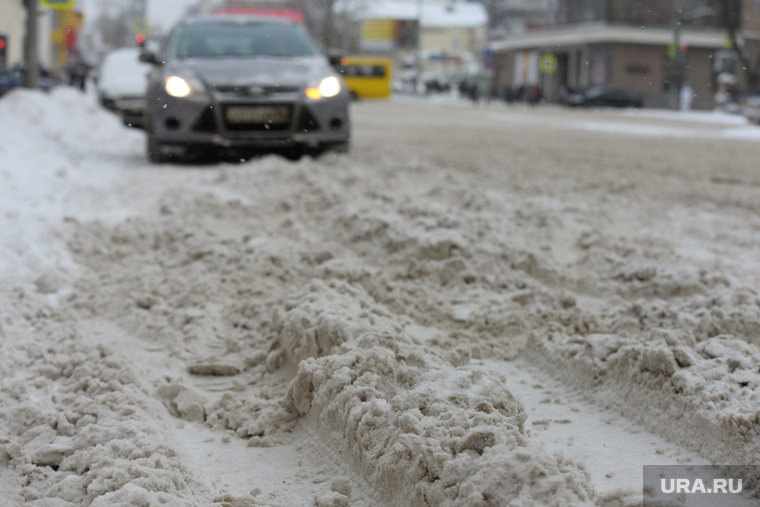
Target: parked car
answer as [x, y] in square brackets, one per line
[10, 79]
[751, 108]
[121, 82]
[243, 86]
[15, 77]
[605, 97]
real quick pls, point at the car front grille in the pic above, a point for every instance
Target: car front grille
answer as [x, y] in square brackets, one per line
[206, 122]
[254, 91]
[258, 118]
[306, 121]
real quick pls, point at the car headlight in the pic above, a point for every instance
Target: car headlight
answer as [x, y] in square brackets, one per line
[177, 86]
[328, 87]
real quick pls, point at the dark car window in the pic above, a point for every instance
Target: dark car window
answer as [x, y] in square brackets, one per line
[241, 40]
[361, 70]
[595, 93]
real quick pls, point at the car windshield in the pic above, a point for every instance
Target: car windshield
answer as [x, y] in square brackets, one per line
[233, 39]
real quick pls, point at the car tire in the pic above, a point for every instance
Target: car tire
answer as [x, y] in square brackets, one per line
[343, 147]
[332, 149]
[152, 146]
[293, 155]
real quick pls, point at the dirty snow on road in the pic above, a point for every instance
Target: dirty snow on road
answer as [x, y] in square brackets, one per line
[478, 306]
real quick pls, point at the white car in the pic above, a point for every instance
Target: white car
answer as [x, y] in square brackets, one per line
[122, 82]
[751, 108]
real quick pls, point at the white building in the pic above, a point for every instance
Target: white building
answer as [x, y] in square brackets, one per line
[12, 23]
[13, 26]
[431, 39]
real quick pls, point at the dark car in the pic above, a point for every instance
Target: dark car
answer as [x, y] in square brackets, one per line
[15, 77]
[243, 86]
[10, 79]
[605, 97]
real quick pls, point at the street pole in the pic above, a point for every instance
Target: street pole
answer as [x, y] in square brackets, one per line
[32, 74]
[676, 57]
[418, 49]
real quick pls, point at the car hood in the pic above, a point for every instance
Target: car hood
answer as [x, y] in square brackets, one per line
[259, 71]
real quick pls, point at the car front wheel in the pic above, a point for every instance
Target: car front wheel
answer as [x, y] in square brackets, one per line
[152, 146]
[343, 147]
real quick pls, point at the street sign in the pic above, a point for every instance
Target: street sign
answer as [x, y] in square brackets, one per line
[60, 5]
[673, 51]
[488, 58]
[548, 64]
[728, 43]
[141, 25]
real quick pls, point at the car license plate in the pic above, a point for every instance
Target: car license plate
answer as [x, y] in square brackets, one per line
[258, 114]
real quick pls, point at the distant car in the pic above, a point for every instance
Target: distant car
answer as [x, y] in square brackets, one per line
[15, 77]
[243, 86]
[605, 97]
[751, 108]
[10, 79]
[122, 80]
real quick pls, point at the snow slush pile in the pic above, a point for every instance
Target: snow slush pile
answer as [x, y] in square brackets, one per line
[349, 303]
[423, 427]
[423, 430]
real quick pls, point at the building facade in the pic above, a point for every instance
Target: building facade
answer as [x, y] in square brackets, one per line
[635, 45]
[433, 41]
[56, 34]
[13, 27]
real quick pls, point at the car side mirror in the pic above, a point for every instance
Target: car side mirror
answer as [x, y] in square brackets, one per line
[150, 57]
[335, 56]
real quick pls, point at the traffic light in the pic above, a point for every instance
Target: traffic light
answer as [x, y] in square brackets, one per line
[140, 39]
[3, 49]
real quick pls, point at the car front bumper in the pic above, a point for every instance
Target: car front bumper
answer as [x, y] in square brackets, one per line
[309, 124]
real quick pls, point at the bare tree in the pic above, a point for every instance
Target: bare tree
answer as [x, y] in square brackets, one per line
[492, 11]
[320, 20]
[331, 20]
[114, 28]
[730, 15]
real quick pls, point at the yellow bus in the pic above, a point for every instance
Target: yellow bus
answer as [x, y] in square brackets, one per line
[367, 77]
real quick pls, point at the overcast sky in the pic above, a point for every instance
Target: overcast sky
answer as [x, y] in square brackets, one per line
[160, 12]
[167, 12]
